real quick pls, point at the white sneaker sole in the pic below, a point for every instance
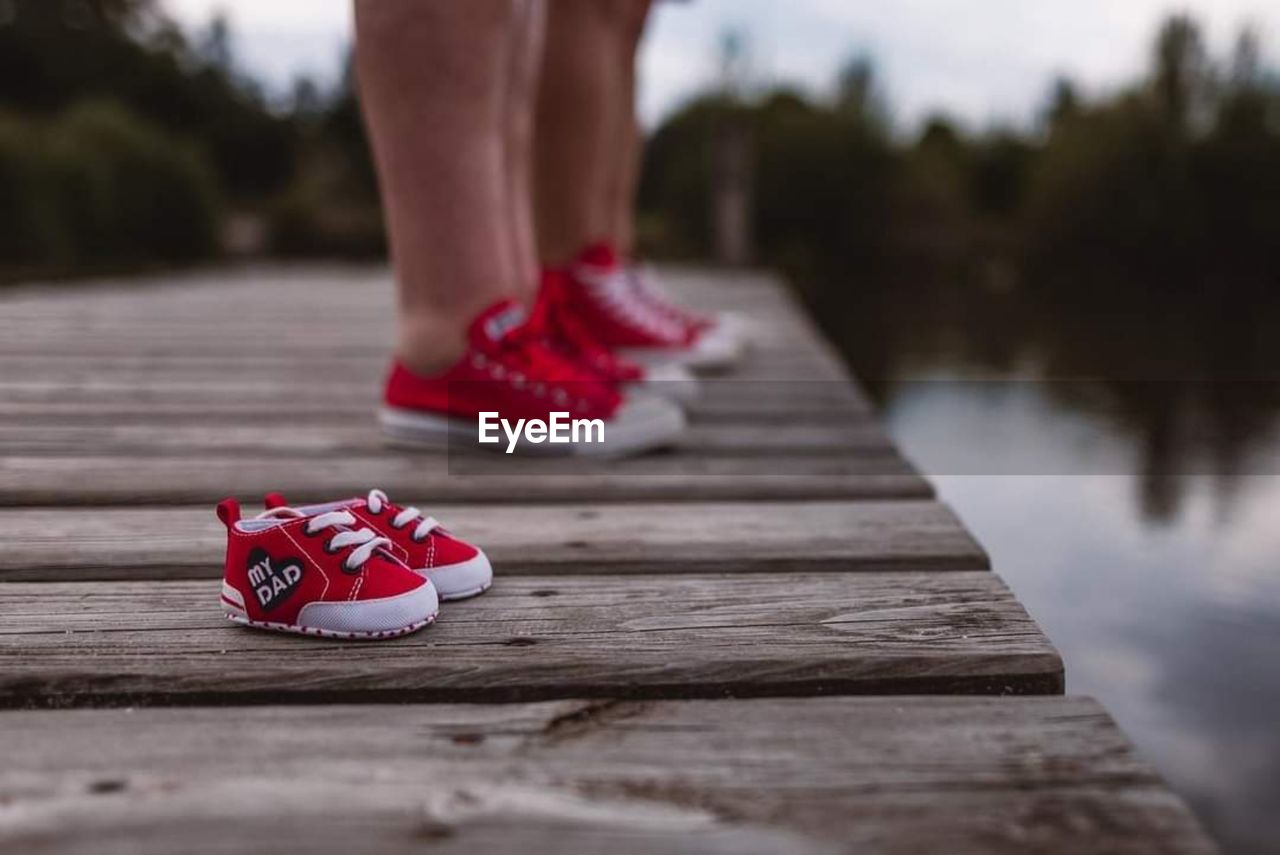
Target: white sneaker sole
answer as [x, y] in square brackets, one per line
[317, 632]
[643, 423]
[671, 381]
[719, 349]
[462, 580]
[386, 617]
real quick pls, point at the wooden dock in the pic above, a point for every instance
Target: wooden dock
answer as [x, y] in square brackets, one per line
[773, 639]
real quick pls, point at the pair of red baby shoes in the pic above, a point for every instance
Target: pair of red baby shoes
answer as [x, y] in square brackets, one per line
[356, 568]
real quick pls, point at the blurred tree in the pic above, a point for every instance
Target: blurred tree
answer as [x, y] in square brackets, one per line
[933, 199]
[100, 187]
[54, 53]
[858, 93]
[1001, 163]
[332, 207]
[674, 197]
[1063, 105]
[822, 186]
[1238, 168]
[1182, 77]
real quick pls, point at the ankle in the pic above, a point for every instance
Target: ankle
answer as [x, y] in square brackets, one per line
[429, 346]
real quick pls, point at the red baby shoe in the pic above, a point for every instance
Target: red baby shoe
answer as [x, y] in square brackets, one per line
[325, 575]
[456, 568]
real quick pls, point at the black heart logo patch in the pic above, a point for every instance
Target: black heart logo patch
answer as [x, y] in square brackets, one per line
[273, 579]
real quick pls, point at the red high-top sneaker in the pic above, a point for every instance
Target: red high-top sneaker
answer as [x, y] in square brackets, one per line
[631, 317]
[567, 335]
[319, 575]
[510, 374]
[456, 568]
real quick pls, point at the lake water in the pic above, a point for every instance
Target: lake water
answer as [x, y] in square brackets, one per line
[1120, 464]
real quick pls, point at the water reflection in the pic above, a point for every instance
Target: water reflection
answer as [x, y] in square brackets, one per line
[1118, 457]
[1187, 381]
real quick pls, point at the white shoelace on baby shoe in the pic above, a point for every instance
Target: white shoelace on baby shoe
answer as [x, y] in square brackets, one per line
[365, 540]
[377, 499]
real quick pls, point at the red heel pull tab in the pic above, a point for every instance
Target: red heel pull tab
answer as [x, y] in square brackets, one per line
[229, 512]
[273, 501]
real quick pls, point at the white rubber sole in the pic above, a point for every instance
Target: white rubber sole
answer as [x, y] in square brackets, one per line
[317, 632]
[644, 422]
[460, 581]
[671, 381]
[718, 349]
[385, 617]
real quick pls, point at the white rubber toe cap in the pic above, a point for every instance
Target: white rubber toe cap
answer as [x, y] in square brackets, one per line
[643, 422]
[386, 614]
[718, 347]
[462, 580]
[671, 381]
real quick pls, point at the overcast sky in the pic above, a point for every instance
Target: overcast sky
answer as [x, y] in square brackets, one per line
[982, 61]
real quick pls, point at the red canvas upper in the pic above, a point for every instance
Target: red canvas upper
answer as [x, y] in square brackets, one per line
[438, 548]
[281, 568]
[603, 297]
[566, 333]
[508, 368]
[658, 301]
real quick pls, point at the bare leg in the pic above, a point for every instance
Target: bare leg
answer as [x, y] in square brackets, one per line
[620, 188]
[432, 82]
[522, 92]
[580, 113]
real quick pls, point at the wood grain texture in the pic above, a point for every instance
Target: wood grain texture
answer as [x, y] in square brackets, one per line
[92, 434]
[282, 402]
[350, 317]
[715, 570]
[740, 537]
[822, 775]
[361, 411]
[72, 480]
[141, 365]
[534, 638]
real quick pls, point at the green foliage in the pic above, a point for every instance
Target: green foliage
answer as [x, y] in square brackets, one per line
[822, 186]
[820, 175]
[675, 186]
[98, 186]
[332, 207]
[30, 230]
[55, 53]
[1178, 177]
[1172, 183]
[1110, 186]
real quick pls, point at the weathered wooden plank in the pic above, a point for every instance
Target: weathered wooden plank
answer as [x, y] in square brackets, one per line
[199, 316]
[351, 288]
[901, 775]
[360, 409]
[747, 537]
[797, 399]
[141, 367]
[535, 638]
[27, 480]
[100, 437]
